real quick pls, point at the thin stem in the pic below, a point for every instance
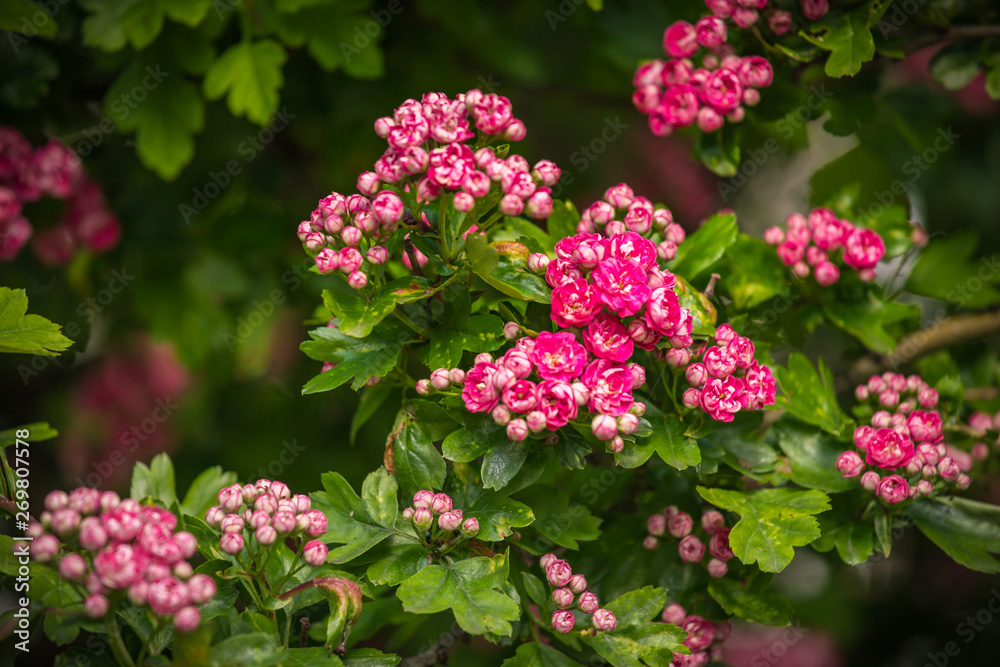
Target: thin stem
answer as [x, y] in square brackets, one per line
[117, 645]
[422, 332]
[443, 226]
[288, 626]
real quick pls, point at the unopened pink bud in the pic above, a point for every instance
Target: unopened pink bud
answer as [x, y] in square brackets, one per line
[674, 614]
[315, 552]
[470, 527]
[538, 262]
[680, 524]
[56, 500]
[712, 520]
[501, 415]
[517, 429]
[696, 374]
[604, 620]
[440, 379]
[615, 445]
[577, 583]
[628, 424]
[95, 606]
[563, 621]
[563, 598]
[604, 427]
[650, 542]
[456, 375]
[850, 464]
[511, 205]
[72, 567]
[691, 549]
[423, 387]
[691, 398]
[441, 502]
[547, 560]
[717, 568]
[870, 480]
[537, 421]
[423, 518]
[357, 279]
[232, 543]
[377, 255]
[450, 521]
[588, 603]
[678, 357]
[512, 331]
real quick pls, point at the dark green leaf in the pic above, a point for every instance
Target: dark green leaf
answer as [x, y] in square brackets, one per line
[750, 601]
[967, 530]
[357, 358]
[945, 270]
[479, 435]
[866, 320]
[478, 333]
[809, 395]
[667, 440]
[26, 17]
[813, 456]
[250, 72]
[534, 654]
[502, 463]
[755, 273]
[348, 521]
[417, 462]
[497, 515]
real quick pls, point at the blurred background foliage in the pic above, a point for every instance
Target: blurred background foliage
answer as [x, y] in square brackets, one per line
[217, 287]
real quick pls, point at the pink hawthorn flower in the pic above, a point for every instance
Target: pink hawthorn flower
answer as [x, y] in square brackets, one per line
[558, 572]
[621, 286]
[557, 356]
[756, 72]
[680, 39]
[680, 524]
[780, 22]
[889, 449]
[479, 392]
[678, 107]
[893, 489]
[557, 402]
[632, 247]
[863, 249]
[850, 464]
[710, 31]
[815, 9]
[721, 362]
[575, 303]
[606, 337]
[691, 549]
[701, 633]
[588, 603]
[722, 399]
[925, 426]
[722, 89]
[520, 396]
[718, 544]
[610, 386]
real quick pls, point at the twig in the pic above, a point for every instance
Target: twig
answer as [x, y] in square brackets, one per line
[439, 652]
[952, 330]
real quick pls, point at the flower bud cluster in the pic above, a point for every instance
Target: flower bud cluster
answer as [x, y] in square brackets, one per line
[103, 544]
[811, 244]
[679, 525]
[349, 233]
[675, 93]
[623, 211]
[440, 526]
[570, 590]
[704, 638]
[52, 170]
[901, 452]
[543, 383]
[431, 152]
[253, 517]
[727, 379]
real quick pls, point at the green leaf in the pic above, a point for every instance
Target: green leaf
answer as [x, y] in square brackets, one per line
[399, 563]
[27, 334]
[563, 220]
[967, 530]
[755, 273]
[37, 432]
[809, 395]
[772, 522]
[848, 38]
[357, 358]
[813, 457]
[467, 588]
[955, 66]
[502, 463]
[245, 650]
[750, 601]
[417, 462]
[479, 435]
[311, 657]
[667, 440]
[378, 495]
[945, 270]
[155, 481]
[497, 515]
[855, 541]
[251, 74]
[719, 151]
[534, 654]
[204, 490]
[478, 333]
[866, 320]
[27, 18]
[114, 23]
[165, 122]
[369, 657]
[505, 274]
[704, 248]
[650, 643]
[703, 313]
[348, 520]
[638, 606]
[358, 317]
[893, 224]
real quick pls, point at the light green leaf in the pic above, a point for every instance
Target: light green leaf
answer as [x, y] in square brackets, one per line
[357, 358]
[155, 481]
[27, 334]
[505, 273]
[772, 522]
[534, 654]
[704, 248]
[947, 271]
[955, 66]
[348, 520]
[371, 399]
[497, 515]
[114, 23]
[809, 395]
[703, 313]
[848, 37]
[755, 273]
[479, 435]
[417, 462]
[250, 72]
[751, 601]
[638, 606]
[467, 587]
[478, 333]
[378, 495]
[667, 440]
[204, 490]
[639, 645]
[866, 319]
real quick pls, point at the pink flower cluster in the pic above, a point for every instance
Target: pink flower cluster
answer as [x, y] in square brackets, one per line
[680, 525]
[253, 517]
[727, 379]
[349, 233]
[113, 545]
[675, 93]
[543, 383]
[744, 13]
[52, 170]
[622, 211]
[569, 590]
[428, 506]
[904, 439]
[813, 242]
[704, 638]
[428, 152]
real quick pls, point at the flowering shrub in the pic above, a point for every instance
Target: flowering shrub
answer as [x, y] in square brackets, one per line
[557, 376]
